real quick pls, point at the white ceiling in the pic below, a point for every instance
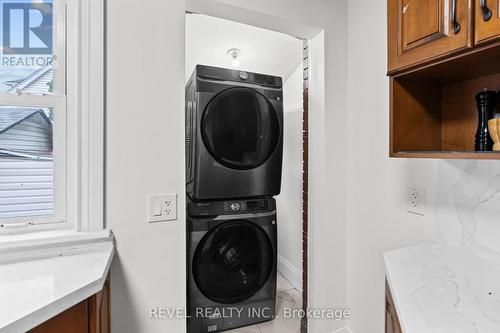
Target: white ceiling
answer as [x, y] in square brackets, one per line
[262, 51]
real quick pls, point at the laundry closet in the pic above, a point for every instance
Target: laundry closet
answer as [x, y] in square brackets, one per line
[244, 168]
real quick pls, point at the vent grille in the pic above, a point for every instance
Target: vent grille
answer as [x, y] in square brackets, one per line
[188, 143]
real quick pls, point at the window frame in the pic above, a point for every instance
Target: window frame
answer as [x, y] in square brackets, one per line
[78, 103]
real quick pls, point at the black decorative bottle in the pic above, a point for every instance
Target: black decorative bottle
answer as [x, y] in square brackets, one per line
[486, 109]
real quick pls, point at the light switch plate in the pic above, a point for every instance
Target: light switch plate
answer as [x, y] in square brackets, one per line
[168, 208]
[416, 200]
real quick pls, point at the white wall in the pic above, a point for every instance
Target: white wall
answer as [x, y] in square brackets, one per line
[377, 188]
[145, 155]
[289, 202]
[263, 51]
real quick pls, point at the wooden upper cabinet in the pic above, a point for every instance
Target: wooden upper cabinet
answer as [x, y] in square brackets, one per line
[487, 21]
[422, 30]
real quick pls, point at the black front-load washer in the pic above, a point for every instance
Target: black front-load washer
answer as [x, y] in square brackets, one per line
[234, 134]
[231, 264]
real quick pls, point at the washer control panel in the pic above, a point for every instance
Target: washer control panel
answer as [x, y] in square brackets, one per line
[215, 208]
[246, 206]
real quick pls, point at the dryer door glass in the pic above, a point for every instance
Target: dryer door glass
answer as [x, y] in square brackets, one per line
[233, 262]
[240, 128]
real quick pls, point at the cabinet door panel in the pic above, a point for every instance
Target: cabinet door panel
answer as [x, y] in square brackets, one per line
[417, 31]
[487, 30]
[422, 30]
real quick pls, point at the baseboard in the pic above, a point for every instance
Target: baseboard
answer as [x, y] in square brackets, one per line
[290, 272]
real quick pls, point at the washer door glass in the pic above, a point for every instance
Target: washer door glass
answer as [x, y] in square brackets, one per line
[233, 262]
[240, 128]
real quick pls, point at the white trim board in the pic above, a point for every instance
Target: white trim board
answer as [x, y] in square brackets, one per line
[85, 42]
[290, 272]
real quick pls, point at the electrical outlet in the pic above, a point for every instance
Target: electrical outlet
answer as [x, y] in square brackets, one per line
[170, 207]
[416, 200]
[162, 208]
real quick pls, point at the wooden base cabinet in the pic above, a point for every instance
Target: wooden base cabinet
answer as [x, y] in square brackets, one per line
[392, 324]
[88, 316]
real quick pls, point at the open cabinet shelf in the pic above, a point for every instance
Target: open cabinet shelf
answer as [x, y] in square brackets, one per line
[451, 155]
[433, 109]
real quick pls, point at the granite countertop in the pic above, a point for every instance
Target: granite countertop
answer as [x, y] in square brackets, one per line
[48, 281]
[443, 289]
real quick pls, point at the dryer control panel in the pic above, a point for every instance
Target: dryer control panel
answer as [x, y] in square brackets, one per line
[224, 74]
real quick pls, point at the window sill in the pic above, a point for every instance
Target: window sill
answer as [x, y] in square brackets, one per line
[18, 247]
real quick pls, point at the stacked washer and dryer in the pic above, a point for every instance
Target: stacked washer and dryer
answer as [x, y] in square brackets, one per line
[234, 148]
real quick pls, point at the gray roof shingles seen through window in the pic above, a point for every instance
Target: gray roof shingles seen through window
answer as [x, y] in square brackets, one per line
[10, 116]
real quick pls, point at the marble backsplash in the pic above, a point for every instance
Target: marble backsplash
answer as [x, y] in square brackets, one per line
[453, 285]
[468, 206]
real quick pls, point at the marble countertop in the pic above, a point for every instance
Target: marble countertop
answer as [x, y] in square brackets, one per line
[36, 288]
[438, 288]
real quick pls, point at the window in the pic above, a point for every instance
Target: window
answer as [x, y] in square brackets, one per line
[26, 162]
[50, 116]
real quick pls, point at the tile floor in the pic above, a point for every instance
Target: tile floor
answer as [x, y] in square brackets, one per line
[287, 296]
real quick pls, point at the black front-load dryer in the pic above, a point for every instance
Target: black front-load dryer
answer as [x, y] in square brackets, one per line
[231, 264]
[234, 134]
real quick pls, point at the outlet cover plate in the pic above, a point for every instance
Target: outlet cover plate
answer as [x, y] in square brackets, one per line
[162, 208]
[416, 200]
